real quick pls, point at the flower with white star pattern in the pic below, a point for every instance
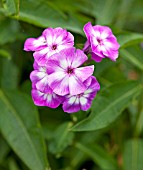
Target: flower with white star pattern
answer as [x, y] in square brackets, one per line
[83, 101]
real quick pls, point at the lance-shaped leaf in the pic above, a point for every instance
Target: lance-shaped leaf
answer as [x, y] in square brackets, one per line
[134, 55]
[128, 38]
[62, 137]
[11, 6]
[20, 126]
[99, 156]
[109, 105]
[133, 155]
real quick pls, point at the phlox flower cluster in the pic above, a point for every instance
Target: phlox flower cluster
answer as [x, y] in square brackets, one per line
[59, 76]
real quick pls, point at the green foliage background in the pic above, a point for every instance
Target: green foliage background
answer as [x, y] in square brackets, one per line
[107, 137]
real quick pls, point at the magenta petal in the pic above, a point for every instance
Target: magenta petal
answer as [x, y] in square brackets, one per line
[85, 103]
[88, 29]
[111, 43]
[35, 65]
[37, 97]
[46, 99]
[41, 57]
[71, 108]
[78, 58]
[69, 41]
[71, 105]
[53, 100]
[113, 55]
[87, 82]
[59, 83]
[97, 49]
[87, 48]
[94, 84]
[76, 86]
[56, 63]
[68, 55]
[103, 30]
[58, 36]
[48, 34]
[84, 72]
[34, 76]
[42, 84]
[96, 57]
[34, 44]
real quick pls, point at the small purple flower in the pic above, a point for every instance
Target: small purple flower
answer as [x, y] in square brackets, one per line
[50, 42]
[83, 101]
[101, 42]
[64, 75]
[51, 100]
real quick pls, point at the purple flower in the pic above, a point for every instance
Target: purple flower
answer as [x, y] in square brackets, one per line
[101, 42]
[50, 42]
[64, 75]
[74, 103]
[51, 100]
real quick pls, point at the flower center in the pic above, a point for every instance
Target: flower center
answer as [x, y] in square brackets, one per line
[69, 70]
[99, 41]
[54, 47]
[79, 95]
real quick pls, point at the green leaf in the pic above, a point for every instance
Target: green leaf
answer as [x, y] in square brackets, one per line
[128, 38]
[9, 30]
[12, 164]
[133, 154]
[20, 126]
[44, 15]
[133, 55]
[102, 11]
[62, 137]
[99, 156]
[11, 6]
[4, 149]
[124, 12]
[109, 105]
[8, 74]
[4, 53]
[139, 125]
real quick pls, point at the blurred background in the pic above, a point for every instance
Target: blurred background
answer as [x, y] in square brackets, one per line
[119, 146]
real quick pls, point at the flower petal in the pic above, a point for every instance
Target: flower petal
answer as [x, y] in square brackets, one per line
[42, 56]
[95, 86]
[78, 58]
[56, 63]
[35, 76]
[43, 86]
[71, 105]
[88, 30]
[87, 47]
[34, 44]
[76, 86]
[96, 48]
[38, 97]
[103, 30]
[111, 43]
[96, 57]
[48, 34]
[84, 72]
[113, 55]
[45, 99]
[59, 83]
[85, 103]
[91, 91]
[58, 36]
